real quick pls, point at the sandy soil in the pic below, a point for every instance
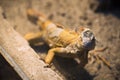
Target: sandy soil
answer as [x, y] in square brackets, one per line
[101, 17]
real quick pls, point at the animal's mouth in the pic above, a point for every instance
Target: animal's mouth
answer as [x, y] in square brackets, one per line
[88, 39]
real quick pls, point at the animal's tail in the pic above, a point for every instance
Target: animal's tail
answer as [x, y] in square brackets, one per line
[38, 18]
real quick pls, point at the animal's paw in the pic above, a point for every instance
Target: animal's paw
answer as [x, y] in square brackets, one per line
[48, 65]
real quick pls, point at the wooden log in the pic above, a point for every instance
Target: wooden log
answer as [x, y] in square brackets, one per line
[16, 50]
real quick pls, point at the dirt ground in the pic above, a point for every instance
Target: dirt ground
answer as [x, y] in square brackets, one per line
[101, 16]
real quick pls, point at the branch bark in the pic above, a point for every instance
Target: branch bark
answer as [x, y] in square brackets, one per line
[16, 50]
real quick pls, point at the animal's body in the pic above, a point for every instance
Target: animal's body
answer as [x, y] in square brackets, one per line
[63, 42]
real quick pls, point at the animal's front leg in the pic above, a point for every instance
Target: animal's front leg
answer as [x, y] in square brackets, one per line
[52, 52]
[33, 38]
[94, 52]
[83, 59]
[30, 36]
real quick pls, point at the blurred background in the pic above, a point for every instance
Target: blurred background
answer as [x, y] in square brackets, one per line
[101, 16]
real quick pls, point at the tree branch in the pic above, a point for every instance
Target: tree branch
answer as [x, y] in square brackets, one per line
[16, 50]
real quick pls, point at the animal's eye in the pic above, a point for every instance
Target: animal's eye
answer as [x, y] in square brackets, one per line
[88, 34]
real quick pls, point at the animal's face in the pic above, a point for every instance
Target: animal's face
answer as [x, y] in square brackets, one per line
[88, 39]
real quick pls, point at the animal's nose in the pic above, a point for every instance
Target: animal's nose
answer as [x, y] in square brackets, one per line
[88, 40]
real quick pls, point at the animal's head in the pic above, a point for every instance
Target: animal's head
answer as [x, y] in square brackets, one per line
[88, 38]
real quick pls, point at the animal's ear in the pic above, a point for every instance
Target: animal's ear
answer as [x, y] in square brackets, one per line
[60, 26]
[79, 29]
[82, 28]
